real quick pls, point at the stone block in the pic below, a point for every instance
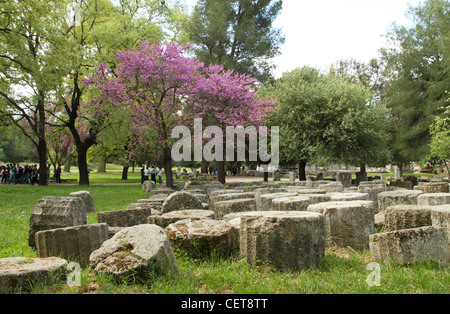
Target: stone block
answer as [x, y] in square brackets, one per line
[202, 237]
[345, 197]
[232, 196]
[234, 206]
[436, 187]
[434, 199]
[283, 240]
[407, 217]
[16, 273]
[440, 218]
[56, 212]
[265, 201]
[125, 218]
[87, 199]
[181, 201]
[72, 243]
[169, 218]
[399, 197]
[410, 246]
[294, 203]
[347, 224]
[135, 253]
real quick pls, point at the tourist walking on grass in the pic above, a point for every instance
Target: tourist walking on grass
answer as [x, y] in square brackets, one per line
[153, 173]
[146, 172]
[160, 173]
[58, 175]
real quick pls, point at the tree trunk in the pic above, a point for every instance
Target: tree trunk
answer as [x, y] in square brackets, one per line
[68, 163]
[42, 144]
[221, 171]
[302, 171]
[168, 167]
[82, 165]
[125, 172]
[102, 163]
[204, 166]
[266, 176]
[42, 153]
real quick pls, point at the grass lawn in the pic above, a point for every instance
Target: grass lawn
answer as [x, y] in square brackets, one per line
[342, 271]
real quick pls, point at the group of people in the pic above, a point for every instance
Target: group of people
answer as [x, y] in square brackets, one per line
[16, 174]
[153, 172]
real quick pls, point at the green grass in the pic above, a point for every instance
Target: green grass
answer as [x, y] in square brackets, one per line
[342, 271]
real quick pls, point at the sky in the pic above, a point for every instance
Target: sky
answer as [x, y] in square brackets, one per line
[320, 32]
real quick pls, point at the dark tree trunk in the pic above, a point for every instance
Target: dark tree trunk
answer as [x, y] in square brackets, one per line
[204, 166]
[221, 172]
[125, 172]
[168, 167]
[82, 165]
[42, 144]
[302, 171]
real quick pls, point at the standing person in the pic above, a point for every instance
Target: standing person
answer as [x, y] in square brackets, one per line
[58, 174]
[2, 174]
[12, 177]
[146, 172]
[142, 174]
[160, 173]
[153, 173]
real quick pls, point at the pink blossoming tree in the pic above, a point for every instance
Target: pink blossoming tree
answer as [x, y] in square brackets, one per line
[162, 88]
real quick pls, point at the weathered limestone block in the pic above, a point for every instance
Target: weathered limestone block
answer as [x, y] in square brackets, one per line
[434, 199]
[266, 190]
[332, 187]
[317, 198]
[302, 190]
[345, 178]
[399, 197]
[347, 223]
[292, 240]
[125, 218]
[180, 201]
[169, 218]
[161, 191]
[234, 206]
[222, 192]
[440, 218]
[16, 273]
[346, 197]
[204, 198]
[232, 196]
[373, 188]
[410, 246]
[407, 217]
[266, 200]
[201, 237]
[87, 199]
[277, 175]
[436, 187]
[135, 252]
[56, 212]
[294, 203]
[148, 186]
[72, 243]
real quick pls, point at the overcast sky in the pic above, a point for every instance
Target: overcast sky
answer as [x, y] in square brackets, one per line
[320, 32]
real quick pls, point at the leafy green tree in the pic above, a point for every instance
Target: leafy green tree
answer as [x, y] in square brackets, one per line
[440, 140]
[328, 118]
[237, 34]
[418, 70]
[28, 72]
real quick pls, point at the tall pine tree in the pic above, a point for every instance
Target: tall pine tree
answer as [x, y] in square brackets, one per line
[238, 34]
